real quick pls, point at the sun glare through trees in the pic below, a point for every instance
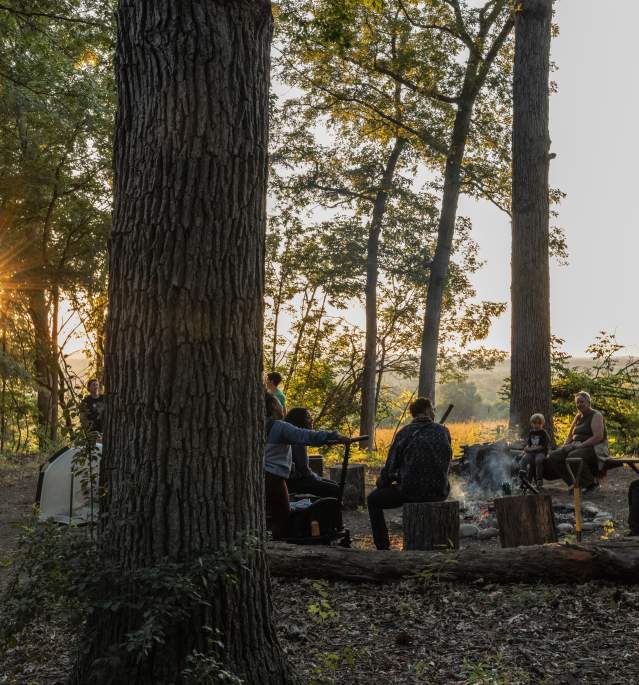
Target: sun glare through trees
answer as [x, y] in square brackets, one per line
[315, 368]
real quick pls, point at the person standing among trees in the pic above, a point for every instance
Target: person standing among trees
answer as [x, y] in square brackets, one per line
[273, 379]
[416, 468]
[92, 408]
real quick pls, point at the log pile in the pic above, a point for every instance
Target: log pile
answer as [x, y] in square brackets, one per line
[616, 561]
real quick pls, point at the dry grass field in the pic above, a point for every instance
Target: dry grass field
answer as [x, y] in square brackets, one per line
[466, 433]
[462, 433]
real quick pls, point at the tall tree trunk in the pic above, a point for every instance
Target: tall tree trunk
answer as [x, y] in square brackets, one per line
[530, 290]
[369, 372]
[441, 259]
[476, 71]
[182, 464]
[3, 390]
[42, 354]
[53, 374]
[64, 405]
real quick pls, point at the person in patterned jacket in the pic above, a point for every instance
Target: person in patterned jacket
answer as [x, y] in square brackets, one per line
[416, 468]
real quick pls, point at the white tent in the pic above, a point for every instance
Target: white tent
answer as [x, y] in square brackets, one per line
[67, 487]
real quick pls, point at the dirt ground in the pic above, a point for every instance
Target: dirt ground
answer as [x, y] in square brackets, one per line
[416, 631]
[18, 482]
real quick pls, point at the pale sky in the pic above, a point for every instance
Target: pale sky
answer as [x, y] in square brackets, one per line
[592, 126]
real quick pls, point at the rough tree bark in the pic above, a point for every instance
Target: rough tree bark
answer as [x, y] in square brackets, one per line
[556, 563]
[369, 372]
[182, 463]
[530, 290]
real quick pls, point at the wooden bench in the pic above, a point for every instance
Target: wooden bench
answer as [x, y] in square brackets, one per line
[431, 525]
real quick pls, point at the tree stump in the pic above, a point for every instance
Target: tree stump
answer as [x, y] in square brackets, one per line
[354, 491]
[316, 464]
[431, 525]
[525, 520]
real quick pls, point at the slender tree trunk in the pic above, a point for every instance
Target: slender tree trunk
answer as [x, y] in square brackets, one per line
[182, 464]
[314, 349]
[64, 405]
[307, 306]
[380, 374]
[3, 394]
[477, 70]
[42, 354]
[277, 308]
[369, 373]
[54, 374]
[441, 259]
[530, 290]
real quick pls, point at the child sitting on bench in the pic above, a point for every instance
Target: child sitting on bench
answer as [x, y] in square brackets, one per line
[537, 448]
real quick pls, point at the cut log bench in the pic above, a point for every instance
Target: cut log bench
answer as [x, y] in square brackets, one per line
[431, 525]
[355, 489]
[525, 520]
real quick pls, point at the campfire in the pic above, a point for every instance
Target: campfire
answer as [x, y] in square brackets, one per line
[491, 470]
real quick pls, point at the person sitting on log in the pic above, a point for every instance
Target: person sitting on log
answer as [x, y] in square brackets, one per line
[280, 435]
[416, 468]
[536, 450]
[588, 440]
[303, 479]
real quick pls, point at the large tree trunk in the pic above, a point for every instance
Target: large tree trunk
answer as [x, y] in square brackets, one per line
[441, 259]
[554, 563]
[530, 290]
[182, 463]
[369, 373]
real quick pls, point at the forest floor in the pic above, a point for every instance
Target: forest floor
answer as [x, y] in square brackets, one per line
[410, 632]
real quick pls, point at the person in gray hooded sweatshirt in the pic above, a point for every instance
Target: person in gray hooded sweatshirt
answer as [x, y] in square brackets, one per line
[278, 459]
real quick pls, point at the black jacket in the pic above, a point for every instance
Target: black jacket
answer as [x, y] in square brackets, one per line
[418, 460]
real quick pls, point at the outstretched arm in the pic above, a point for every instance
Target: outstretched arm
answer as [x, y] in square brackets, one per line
[293, 435]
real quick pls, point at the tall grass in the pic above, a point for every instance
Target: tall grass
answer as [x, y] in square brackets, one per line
[462, 433]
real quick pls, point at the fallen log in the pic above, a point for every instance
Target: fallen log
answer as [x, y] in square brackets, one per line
[615, 560]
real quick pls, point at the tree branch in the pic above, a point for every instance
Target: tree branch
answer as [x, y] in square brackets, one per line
[56, 17]
[430, 93]
[461, 26]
